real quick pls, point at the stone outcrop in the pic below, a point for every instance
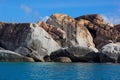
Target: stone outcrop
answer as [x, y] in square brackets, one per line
[27, 39]
[77, 54]
[6, 55]
[61, 39]
[101, 31]
[110, 53]
[77, 34]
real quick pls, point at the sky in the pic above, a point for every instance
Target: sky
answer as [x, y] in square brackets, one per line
[21, 11]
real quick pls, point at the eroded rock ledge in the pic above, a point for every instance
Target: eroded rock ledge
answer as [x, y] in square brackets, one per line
[61, 38]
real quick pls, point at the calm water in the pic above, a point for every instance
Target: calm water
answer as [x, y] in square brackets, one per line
[59, 71]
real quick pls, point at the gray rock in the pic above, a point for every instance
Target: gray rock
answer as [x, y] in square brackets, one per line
[110, 53]
[2, 48]
[77, 54]
[27, 39]
[9, 56]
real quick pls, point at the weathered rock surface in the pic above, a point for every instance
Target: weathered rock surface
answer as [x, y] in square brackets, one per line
[102, 32]
[61, 39]
[110, 53]
[6, 55]
[27, 39]
[77, 34]
[77, 54]
[57, 34]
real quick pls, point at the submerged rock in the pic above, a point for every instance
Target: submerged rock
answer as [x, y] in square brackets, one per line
[9, 56]
[110, 53]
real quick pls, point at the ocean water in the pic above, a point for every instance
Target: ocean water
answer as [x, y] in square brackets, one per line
[58, 71]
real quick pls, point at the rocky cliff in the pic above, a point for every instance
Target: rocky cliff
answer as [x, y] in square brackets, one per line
[88, 38]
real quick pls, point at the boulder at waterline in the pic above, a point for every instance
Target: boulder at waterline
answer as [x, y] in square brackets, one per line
[27, 39]
[47, 58]
[77, 54]
[9, 56]
[110, 53]
[63, 59]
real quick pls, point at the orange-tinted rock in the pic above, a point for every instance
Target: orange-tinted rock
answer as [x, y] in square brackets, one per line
[57, 34]
[102, 32]
[77, 34]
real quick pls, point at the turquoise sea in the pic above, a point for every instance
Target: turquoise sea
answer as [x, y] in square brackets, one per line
[58, 71]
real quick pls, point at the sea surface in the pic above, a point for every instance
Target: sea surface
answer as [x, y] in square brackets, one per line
[58, 71]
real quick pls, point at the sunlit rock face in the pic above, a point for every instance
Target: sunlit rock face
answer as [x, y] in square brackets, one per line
[110, 53]
[101, 31]
[56, 33]
[26, 39]
[77, 34]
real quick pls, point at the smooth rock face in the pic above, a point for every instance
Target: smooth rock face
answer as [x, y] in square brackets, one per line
[6, 55]
[77, 34]
[77, 54]
[56, 33]
[27, 39]
[101, 31]
[110, 53]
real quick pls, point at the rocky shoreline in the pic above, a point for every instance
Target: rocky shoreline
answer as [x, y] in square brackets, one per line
[61, 38]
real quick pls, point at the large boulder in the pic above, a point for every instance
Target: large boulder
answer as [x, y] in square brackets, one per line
[101, 31]
[27, 39]
[77, 54]
[110, 53]
[9, 56]
[77, 34]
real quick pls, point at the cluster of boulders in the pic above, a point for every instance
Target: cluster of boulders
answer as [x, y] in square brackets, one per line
[61, 38]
